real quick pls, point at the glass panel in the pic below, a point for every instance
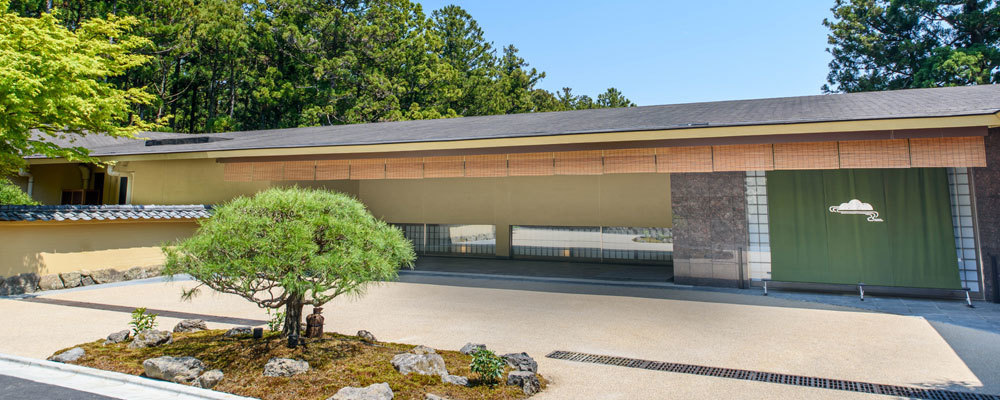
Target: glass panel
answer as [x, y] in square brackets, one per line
[637, 244]
[593, 243]
[461, 239]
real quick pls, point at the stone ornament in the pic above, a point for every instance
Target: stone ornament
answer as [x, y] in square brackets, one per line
[314, 323]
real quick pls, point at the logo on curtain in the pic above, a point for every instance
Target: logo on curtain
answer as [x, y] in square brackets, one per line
[855, 206]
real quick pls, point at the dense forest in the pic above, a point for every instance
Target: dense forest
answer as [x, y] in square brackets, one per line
[224, 65]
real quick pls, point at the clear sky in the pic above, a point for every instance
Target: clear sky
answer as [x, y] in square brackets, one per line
[664, 51]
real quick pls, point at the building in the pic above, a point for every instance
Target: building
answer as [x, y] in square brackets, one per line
[897, 189]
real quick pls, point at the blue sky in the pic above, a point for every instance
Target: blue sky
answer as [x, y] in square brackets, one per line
[662, 52]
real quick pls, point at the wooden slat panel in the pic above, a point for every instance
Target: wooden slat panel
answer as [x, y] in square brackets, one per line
[891, 153]
[579, 163]
[300, 170]
[368, 168]
[238, 172]
[818, 155]
[486, 165]
[444, 167]
[742, 157]
[684, 159]
[404, 168]
[331, 170]
[531, 164]
[948, 152]
[269, 171]
[629, 161]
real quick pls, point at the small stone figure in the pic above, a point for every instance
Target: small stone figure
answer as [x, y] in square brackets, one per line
[314, 323]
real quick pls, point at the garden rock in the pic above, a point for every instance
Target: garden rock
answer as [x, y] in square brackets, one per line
[367, 337]
[71, 279]
[526, 380]
[173, 369]
[421, 360]
[377, 391]
[50, 282]
[136, 273]
[285, 367]
[107, 275]
[470, 348]
[21, 284]
[521, 362]
[118, 337]
[151, 338]
[429, 396]
[190, 325]
[209, 379]
[68, 355]
[455, 380]
[239, 331]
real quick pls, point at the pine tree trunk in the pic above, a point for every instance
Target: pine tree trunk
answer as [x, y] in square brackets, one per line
[293, 318]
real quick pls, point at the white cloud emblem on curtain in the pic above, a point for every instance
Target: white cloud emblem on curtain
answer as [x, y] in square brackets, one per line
[855, 206]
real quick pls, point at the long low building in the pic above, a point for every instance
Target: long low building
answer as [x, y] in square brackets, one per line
[896, 189]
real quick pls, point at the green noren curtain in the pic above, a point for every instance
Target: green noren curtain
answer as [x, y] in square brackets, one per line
[914, 245]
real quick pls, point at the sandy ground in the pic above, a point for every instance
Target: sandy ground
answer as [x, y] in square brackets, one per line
[863, 346]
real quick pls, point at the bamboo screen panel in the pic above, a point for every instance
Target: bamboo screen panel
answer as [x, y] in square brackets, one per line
[743, 157]
[531, 164]
[579, 163]
[629, 161]
[684, 159]
[300, 170]
[368, 169]
[238, 172]
[948, 152]
[819, 155]
[892, 153]
[331, 170]
[444, 167]
[486, 165]
[269, 171]
[404, 168]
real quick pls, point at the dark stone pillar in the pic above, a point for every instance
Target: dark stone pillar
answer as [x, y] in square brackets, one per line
[710, 227]
[986, 186]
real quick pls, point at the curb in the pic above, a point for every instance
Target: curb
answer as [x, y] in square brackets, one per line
[103, 381]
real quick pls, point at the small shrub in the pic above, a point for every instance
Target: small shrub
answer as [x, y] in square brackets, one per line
[276, 322]
[488, 365]
[11, 194]
[142, 321]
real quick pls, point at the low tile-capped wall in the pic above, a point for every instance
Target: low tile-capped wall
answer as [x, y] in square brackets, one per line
[31, 282]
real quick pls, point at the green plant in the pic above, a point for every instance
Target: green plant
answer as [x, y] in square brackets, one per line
[277, 320]
[142, 321]
[488, 365]
[291, 247]
[11, 194]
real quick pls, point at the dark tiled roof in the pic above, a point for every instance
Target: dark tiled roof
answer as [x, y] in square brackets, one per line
[102, 213]
[911, 103]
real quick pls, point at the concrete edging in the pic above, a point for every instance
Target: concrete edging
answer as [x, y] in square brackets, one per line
[138, 387]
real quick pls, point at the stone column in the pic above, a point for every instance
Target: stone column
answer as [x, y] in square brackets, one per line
[709, 227]
[986, 185]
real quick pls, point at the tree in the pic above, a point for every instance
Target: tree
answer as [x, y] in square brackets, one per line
[11, 195]
[291, 247]
[612, 98]
[53, 82]
[895, 44]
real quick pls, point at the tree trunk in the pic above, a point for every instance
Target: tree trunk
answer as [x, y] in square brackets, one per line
[293, 317]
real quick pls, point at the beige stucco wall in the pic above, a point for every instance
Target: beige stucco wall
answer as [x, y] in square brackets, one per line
[55, 247]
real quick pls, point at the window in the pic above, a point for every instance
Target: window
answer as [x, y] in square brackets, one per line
[593, 243]
[441, 239]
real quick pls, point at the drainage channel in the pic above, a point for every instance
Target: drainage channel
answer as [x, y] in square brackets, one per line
[770, 377]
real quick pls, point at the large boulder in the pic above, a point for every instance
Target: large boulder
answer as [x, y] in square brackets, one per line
[367, 337]
[526, 380]
[470, 348]
[209, 379]
[285, 367]
[118, 337]
[68, 355]
[521, 362]
[50, 282]
[377, 391]
[239, 331]
[174, 369]
[107, 275]
[190, 325]
[21, 284]
[421, 360]
[71, 279]
[151, 338]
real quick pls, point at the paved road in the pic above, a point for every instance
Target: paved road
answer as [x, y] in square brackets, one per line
[12, 388]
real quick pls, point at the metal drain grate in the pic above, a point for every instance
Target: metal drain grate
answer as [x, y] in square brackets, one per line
[770, 377]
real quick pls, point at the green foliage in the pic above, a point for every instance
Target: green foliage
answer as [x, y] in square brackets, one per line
[142, 321]
[488, 365]
[10, 194]
[896, 44]
[54, 81]
[277, 320]
[290, 247]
